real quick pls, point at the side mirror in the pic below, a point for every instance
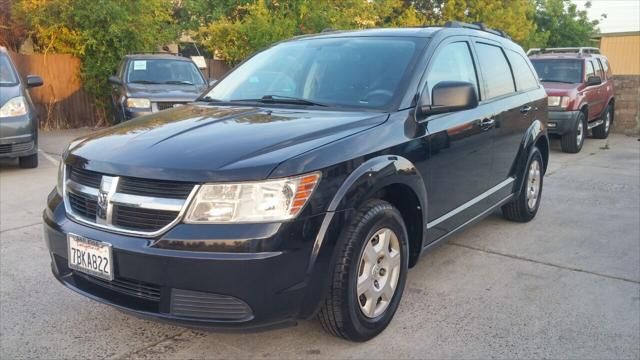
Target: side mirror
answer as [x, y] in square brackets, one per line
[34, 81]
[448, 96]
[114, 80]
[212, 82]
[594, 80]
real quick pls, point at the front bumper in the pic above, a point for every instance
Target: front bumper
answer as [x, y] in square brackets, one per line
[561, 122]
[264, 284]
[18, 136]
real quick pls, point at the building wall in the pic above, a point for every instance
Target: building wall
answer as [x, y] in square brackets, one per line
[623, 52]
[627, 107]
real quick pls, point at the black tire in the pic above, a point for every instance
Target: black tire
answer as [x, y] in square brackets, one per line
[340, 314]
[602, 131]
[29, 162]
[519, 208]
[569, 142]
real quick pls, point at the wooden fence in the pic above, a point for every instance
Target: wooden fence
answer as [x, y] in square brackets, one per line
[216, 69]
[61, 101]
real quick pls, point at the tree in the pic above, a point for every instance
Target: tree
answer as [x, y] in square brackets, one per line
[261, 23]
[100, 33]
[560, 23]
[515, 17]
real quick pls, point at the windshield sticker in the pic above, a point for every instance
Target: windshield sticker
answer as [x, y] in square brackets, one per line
[140, 65]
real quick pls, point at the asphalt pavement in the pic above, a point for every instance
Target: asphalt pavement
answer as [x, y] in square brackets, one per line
[566, 285]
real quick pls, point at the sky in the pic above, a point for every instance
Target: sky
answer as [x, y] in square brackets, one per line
[622, 15]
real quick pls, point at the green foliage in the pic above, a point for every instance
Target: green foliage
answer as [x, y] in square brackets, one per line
[99, 32]
[192, 14]
[261, 23]
[560, 23]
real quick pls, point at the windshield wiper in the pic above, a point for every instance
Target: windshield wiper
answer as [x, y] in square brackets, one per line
[210, 99]
[558, 81]
[281, 99]
[143, 82]
[179, 82]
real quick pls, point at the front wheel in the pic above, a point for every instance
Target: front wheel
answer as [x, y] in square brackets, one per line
[526, 203]
[369, 276]
[29, 161]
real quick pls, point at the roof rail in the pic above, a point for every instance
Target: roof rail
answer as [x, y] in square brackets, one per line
[564, 50]
[476, 26]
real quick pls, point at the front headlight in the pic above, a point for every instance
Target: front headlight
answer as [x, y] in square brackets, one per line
[14, 107]
[138, 103]
[561, 101]
[252, 202]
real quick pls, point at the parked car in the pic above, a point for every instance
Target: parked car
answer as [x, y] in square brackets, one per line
[148, 83]
[18, 115]
[306, 182]
[578, 82]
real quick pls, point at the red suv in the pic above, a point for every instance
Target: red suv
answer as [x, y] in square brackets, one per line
[578, 83]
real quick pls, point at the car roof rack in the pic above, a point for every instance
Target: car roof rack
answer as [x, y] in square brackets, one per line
[564, 50]
[476, 26]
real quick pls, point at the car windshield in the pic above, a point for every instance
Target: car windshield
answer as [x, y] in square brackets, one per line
[163, 71]
[363, 72]
[558, 70]
[7, 76]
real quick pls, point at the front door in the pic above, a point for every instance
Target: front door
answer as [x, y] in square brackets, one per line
[460, 145]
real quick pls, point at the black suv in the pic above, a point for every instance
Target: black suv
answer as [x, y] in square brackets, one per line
[148, 83]
[306, 182]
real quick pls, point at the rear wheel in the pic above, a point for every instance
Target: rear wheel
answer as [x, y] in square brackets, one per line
[525, 206]
[572, 141]
[369, 276]
[29, 162]
[602, 131]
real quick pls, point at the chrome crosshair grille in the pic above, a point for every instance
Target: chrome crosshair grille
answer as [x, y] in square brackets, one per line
[127, 205]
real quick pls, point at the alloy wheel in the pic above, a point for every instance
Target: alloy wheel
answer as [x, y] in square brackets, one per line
[378, 273]
[533, 184]
[580, 133]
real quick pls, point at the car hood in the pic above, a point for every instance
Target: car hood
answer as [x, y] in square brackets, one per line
[559, 89]
[165, 92]
[8, 92]
[213, 143]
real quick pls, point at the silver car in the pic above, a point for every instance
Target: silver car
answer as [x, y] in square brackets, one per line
[18, 116]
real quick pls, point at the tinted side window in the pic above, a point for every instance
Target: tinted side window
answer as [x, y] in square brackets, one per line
[589, 71]
[599, 69]
[495, 70]
[453, 63]
[525, 79]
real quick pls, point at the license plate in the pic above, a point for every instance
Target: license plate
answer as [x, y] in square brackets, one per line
[90, 256]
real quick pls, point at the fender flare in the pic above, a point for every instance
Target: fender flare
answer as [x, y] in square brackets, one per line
[533, 134]
[366, 180]
[362, 183]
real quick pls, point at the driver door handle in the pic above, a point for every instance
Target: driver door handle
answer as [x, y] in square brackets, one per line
[487, 123]
[525, 109]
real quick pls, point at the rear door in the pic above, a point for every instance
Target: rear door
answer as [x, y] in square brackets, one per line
[511, 109]
[601, 90]
[592, 92]
[517, 116]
